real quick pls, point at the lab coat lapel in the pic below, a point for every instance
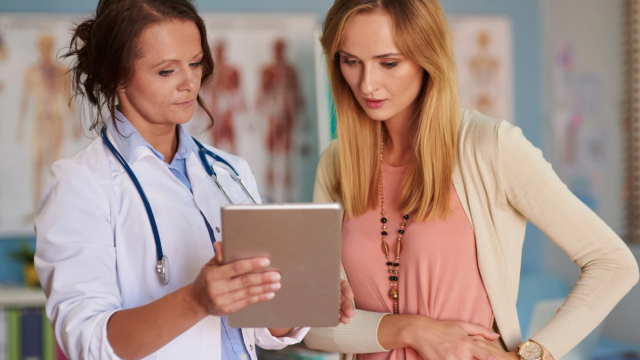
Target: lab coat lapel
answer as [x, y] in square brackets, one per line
[208, 196]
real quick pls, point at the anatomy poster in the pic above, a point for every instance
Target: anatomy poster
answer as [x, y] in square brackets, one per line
[483, 49]
[263, 99]
[37, 125]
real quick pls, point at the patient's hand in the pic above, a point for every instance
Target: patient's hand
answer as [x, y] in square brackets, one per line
[494, 348]
[346, 302]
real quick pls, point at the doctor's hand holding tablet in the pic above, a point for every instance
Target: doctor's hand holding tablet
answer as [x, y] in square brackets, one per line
[224, 289]
[130, 230]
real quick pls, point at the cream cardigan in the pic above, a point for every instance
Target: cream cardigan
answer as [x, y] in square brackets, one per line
[503, 181]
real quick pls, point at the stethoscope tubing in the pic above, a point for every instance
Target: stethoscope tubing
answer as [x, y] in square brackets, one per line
[203, 152]
[162, 266]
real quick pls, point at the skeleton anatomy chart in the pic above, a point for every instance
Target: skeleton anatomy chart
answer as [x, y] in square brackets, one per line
[38, 125]
[483, 49]
[262, 97]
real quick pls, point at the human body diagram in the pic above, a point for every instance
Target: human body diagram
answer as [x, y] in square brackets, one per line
[46, 90]
[280, 102]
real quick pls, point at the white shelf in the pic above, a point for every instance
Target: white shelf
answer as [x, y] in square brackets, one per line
[21, 297]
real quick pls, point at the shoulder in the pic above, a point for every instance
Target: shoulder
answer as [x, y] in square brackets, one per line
[82, 176]
[329, 159]
[481, 134]
[325, 189]
[476, 128]
[91, 161]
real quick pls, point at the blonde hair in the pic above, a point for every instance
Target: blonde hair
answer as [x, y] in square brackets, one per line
[422, 35]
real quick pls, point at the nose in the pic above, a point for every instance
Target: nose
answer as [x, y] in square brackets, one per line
[188, 81]
[369, 82]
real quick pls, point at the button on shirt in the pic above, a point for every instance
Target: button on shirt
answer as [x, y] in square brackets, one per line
[127, 139]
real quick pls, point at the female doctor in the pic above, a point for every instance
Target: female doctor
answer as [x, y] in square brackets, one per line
[126, 229]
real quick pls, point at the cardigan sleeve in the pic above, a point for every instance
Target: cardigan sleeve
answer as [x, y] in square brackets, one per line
[360, 336]
[609, 269]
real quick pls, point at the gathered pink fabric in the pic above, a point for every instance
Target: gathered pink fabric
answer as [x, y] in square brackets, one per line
[438, 276]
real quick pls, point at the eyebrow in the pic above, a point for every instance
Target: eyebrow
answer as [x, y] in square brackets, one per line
[167, 61]
[375, 57]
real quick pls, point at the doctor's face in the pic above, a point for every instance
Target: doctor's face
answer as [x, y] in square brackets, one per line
[168, 74]
[384, 82]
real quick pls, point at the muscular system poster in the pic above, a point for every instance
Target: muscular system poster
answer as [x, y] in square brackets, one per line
[262, 96]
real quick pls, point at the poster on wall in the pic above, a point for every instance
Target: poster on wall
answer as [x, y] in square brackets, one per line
[37, 125]
[262, 97]
[483, 51]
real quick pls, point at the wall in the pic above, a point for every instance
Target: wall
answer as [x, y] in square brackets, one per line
[527, 60]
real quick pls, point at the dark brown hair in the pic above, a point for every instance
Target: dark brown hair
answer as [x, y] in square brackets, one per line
[106, 47]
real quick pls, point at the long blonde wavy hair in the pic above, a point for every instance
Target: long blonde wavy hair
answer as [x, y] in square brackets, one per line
[422, 34]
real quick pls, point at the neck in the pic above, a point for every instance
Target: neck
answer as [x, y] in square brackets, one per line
[397, 146]
[163, 137]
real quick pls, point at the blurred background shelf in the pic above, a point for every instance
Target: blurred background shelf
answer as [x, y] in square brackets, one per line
[22, 297]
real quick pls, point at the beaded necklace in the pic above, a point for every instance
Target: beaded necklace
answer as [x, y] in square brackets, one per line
[392, 265]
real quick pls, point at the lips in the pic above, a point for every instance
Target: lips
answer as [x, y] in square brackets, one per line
[374, 103]
[185, 104]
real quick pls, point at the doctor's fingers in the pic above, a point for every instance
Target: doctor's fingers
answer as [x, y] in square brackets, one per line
[234, 301]
[346, 309]
[245, 281]
[217, 259]
[345, 289]
[236, 268]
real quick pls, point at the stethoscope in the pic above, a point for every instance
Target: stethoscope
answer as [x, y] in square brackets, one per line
[162, 267]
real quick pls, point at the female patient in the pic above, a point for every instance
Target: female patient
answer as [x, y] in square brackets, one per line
[436, 201]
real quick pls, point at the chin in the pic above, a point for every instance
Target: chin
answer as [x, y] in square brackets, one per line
[182, 116]
[378, 114]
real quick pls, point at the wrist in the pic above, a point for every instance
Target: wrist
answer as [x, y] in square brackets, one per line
[280, 332]
[411, 330]
[190, 301]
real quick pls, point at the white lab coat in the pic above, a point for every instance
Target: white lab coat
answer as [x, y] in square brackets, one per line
[95, 251]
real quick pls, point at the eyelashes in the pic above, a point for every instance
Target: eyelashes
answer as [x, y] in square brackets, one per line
[388, 65]
[166, 73]
[350, 62]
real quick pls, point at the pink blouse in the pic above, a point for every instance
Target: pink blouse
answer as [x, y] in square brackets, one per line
[438, 276]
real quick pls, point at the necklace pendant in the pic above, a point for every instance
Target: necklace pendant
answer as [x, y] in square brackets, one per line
[393, 294]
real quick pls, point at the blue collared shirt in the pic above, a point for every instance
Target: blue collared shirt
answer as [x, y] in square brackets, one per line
[128, 139]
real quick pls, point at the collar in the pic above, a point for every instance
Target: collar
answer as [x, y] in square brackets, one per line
[128, 139]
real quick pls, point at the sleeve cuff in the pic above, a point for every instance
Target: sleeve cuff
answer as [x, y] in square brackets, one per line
[265, 340]
[99, 347]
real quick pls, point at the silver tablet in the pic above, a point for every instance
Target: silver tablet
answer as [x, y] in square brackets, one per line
[303, 243]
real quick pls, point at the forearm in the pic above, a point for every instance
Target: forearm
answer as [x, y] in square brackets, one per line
[395, 331]
[138, 332]
[359, 336]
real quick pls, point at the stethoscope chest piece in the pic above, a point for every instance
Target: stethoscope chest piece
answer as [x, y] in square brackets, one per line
[162, 269]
